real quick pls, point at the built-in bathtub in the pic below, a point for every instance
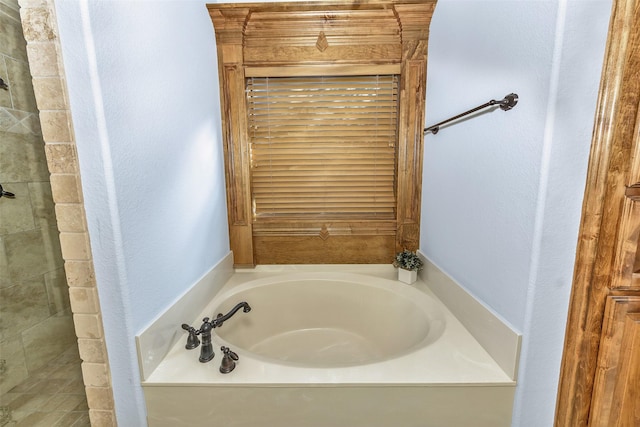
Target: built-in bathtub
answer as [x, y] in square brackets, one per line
[328, 319]
[326, 346]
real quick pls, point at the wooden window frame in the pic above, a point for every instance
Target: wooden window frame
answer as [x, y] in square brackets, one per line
[322, 38]
[323, 146]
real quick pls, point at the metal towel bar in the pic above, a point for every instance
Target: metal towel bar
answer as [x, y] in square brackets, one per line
[505, 104]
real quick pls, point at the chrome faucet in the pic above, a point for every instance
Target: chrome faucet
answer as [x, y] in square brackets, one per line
[206, 351]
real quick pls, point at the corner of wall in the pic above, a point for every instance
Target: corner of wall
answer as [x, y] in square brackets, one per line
[155, 341]
[493, 333]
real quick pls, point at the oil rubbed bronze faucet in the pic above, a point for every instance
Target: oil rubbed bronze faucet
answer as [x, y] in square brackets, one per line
[206, 351]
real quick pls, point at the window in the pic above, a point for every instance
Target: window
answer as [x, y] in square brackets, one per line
[323, 146]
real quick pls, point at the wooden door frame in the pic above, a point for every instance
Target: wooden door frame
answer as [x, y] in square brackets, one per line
[608, 234]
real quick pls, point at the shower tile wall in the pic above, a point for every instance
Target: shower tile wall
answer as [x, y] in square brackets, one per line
[35, 317]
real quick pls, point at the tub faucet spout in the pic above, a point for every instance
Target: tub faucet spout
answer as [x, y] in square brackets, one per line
[218, 321]
[206, 351]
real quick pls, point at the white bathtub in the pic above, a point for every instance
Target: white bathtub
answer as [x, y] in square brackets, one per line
[331, 349]
[323, 320]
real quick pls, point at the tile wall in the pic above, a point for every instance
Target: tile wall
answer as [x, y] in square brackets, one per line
[36, 324]
[43, 49]
[58, 155]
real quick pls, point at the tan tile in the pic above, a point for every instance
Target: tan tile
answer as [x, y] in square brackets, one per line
[26, 256]
[100, 397]
[41, 419]
[62, 402]
[74, 387]
[5, 95]
[33, 123]
[51, 238]
[5, 276]
[102, 418]
[84, 300]
[57, 291]
[69, 357]
[16, 214]
[26, 4]
[11, 9]
[30, 383]
[88, 325]
[61, 157]
[75, 246]
[6, 118]
[80, 273]
[49, 93]
[83, 406]
[70, 217]
[83, 421]
[13, 43]
[42, 203]
[15, 367]
[22, 306]
[28, 402]
[68, 372]
[7, 398]
[46, 340]
[43, 59]
[69, 419]
[29, 419]
[92, 350]
[56, 126]
[36, 23]
[65, 188]
[43, 372]
[51, 386]
[95, 374]
[20, 86]
[22, 158]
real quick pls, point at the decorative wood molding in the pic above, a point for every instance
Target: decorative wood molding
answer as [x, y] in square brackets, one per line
[311, 39]
[619, 348]
[609, 219]
[633, 192]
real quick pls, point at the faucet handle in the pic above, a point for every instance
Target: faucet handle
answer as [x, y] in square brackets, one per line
[231, 354]
[228, 363]
[192, 339]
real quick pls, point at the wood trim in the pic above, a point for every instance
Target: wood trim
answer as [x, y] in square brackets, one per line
[598, 262]
[322, 70]
[308, 38]
[613, 360]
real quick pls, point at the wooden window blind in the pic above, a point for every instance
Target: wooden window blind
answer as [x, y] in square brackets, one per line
[323, 146]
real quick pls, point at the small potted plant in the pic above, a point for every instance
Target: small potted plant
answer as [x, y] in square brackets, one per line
[408, 264]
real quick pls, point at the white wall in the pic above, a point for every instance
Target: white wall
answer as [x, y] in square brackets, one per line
[503, 191]
[143, 85]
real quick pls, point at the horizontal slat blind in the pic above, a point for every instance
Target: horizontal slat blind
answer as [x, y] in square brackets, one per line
[323, 146]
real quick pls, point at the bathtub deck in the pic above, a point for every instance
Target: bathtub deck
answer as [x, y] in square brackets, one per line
[455, 359]
[452, 382]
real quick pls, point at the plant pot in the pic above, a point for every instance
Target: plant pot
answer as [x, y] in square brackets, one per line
[407, 276]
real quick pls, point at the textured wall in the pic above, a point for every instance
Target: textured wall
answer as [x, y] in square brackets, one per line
[142, 81]
[503, 191]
